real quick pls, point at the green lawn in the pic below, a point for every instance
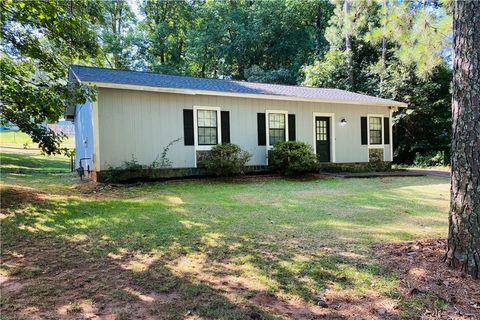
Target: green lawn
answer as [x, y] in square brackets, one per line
[21, 140]
[249, 248]
[33, 163]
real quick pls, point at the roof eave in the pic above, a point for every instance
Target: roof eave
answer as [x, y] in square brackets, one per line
[239, 95]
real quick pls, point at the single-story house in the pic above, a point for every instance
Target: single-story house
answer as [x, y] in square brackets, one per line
[137, 114]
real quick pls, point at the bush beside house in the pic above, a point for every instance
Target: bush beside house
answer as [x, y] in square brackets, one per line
[292, 157]
[286, 157]
[226, 160]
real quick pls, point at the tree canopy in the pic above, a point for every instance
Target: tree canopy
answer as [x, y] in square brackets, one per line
[39, 40]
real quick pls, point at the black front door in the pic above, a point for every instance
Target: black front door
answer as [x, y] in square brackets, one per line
[322, 137]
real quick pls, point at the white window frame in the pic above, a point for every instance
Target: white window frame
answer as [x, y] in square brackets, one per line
[198, 147]
[267, 113]
[267, 129]
[375, 146]
[333, 157]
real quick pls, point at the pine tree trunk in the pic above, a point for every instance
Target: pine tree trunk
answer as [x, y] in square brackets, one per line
[348, 44]
[464, 219]
[384, 47]
[318, 32]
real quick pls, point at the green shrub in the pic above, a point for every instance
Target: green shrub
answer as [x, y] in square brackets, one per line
[430, 159]
[292, 157]
[226, 160]
[132, 164]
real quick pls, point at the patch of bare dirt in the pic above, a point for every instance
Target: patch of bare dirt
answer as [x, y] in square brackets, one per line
[420, 267]
[98, 189]
[45, 279]
[87, 186]
[20, 196]
[334, 304]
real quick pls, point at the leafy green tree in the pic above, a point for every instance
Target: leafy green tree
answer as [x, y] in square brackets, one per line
[425, 126]
[204, 56]
[118, 35]
[165, 28]
[330, 72]
[228, 38]
[348, 64]
[348, 26]
[220, 43]
[289, 21]
[413, 70]
[39, 40]
[280, 76]
[242, 39]
[317, 15]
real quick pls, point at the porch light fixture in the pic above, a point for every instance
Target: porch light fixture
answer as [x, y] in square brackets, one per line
[343, 122]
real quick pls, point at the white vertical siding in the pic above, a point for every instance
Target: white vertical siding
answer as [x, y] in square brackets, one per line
[142, 123]
[84, 141]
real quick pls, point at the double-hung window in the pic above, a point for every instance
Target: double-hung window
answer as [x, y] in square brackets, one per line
[207, 125]
[276, 127]
[375, 130]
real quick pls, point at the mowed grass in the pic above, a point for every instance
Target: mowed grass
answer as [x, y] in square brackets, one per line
[31, 163]
[17, 139]
[232, 249]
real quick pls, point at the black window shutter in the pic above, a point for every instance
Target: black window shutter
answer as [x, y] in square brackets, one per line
[188, 127]
[262, 134]
[225, 118]
[291, 127]
[386, 130]
[363, 122]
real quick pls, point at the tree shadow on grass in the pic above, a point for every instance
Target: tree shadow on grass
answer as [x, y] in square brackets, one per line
[62, 280]
[28, 164]
[64, 258]
[51, 277]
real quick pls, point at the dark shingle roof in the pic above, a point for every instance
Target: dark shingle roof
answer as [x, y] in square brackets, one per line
[102, 75]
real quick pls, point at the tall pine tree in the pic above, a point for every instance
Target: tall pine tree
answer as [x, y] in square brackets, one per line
[464, 218]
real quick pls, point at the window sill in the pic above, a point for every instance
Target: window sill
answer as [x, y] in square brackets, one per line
[204, 147]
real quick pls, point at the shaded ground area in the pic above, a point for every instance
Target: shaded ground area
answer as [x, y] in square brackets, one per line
[431, 172]
[33, 163]
[417, 172]
[429, 285]
[257, 248]
[49, 280]
[399, 173]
